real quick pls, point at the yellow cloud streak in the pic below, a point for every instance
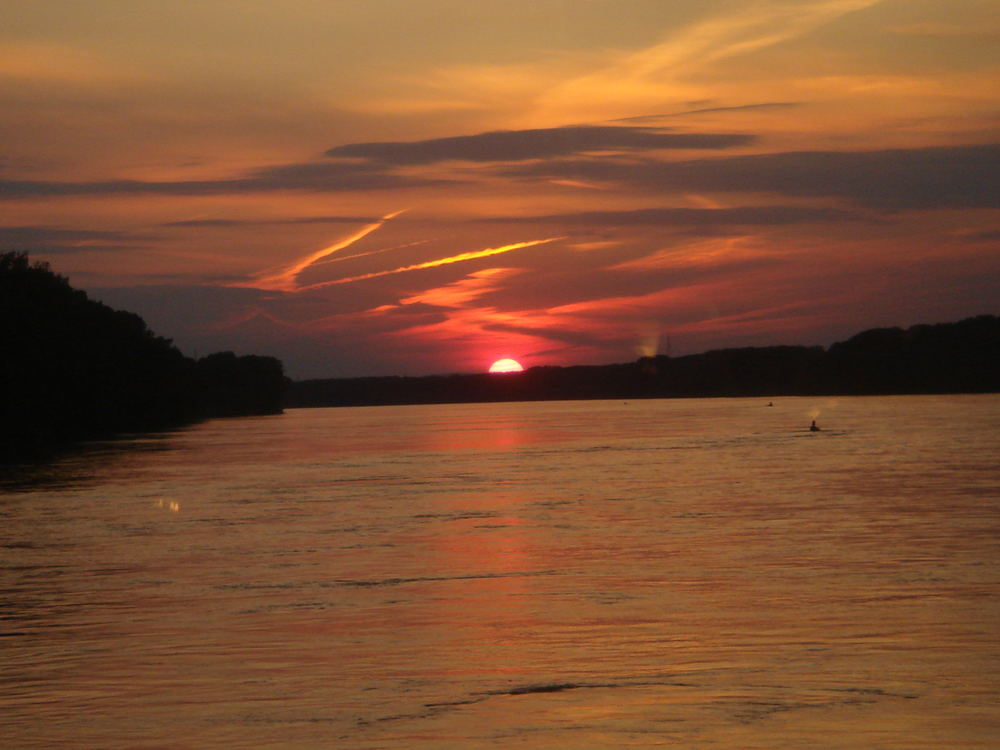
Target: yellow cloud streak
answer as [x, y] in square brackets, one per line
[471, 255]
[374, 252]
[284, 281]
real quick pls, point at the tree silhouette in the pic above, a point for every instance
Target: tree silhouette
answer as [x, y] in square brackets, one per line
[72, 368]
[962, 357]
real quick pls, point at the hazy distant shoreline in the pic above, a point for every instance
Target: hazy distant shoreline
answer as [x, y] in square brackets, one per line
[960, 357]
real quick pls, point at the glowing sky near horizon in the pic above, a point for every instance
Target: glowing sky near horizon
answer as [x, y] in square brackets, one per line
[422, 186]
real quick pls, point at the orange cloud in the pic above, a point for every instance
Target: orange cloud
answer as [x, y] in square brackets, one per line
[462, 291]
[285, 279]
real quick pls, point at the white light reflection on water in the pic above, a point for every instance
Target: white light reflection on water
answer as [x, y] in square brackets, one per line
[691, 573]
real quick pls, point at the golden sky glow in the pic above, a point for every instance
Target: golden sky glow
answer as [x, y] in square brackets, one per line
[582, 182]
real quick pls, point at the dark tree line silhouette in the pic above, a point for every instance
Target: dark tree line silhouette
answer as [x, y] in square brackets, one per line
[72, 368]
[961, 357]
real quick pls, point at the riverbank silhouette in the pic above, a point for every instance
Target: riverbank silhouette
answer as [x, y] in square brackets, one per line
[73, 369]
[959, 357]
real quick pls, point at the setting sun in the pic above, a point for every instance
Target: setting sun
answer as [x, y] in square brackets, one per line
[506, 365]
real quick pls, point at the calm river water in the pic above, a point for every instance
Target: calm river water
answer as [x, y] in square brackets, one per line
[676, 573]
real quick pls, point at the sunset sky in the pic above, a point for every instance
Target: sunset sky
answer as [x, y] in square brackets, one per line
[379, 187]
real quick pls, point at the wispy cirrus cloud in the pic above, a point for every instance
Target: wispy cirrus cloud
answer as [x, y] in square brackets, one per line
[758, 106]
[667, 70]
[519, 145]
[992, 235]
[286, 279]
[308, 176]
[577, 337]
[740, 215]
[459, 258]
[888, 179]
[46, 239]
[298, 221]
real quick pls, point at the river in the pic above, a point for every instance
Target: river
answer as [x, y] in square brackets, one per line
[692, 573]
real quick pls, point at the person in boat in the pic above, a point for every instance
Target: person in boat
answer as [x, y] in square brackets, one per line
[813, 427]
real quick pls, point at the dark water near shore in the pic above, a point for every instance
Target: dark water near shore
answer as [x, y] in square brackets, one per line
[689, 573]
